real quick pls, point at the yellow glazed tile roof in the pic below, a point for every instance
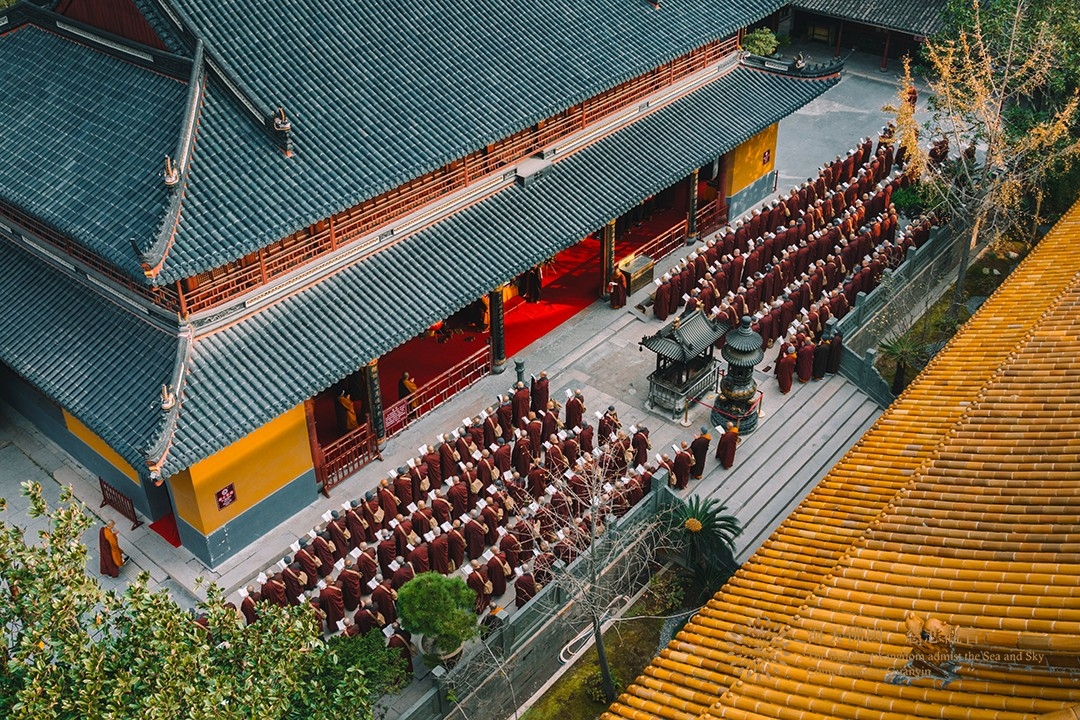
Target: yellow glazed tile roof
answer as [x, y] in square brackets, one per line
[958, 506]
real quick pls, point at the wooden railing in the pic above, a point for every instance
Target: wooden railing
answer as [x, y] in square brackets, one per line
[113, 497]
[210, 288]
[432, 394]
[346, 455]
[709, 218]
[166, 297]
[665, 243]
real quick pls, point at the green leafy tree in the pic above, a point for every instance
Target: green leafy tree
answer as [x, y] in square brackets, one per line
[439, 607]
[760, 42]
[74, 650]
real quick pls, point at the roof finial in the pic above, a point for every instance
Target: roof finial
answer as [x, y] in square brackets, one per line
[281, 123]
[172, 173]
[168, 398]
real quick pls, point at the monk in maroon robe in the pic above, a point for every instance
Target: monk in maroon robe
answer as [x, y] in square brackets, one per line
[575, 410]
[249, 605]
[111, 557]
[525, 589]
[700, 450]
[785, 370]
[332, 602]
[498, 570]
[617, 290]
[681, 468]
[725, 449]
[835, 345]
[640, 443]
[399, 643]
[456, 545]
[662, 301]
[352, 585]
[274, 591]
[439, 553]
[479, 583]
[383, 596]
[475, 536]
[510, 548]
[539, 393]
[520, 403]
[804, 362]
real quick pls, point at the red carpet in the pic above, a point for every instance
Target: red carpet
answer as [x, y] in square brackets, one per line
[571, 283]
[166, 528]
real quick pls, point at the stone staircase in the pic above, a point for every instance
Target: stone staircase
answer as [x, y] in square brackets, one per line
[777, 465]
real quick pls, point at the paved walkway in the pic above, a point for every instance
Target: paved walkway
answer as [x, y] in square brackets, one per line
[799, 439]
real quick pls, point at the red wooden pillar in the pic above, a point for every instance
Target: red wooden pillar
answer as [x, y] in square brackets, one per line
[722, 186]
[885, 55]
[839, 34]
[318, 460]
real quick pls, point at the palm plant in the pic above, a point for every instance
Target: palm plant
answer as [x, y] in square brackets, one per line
[707, 534]
[906, 352]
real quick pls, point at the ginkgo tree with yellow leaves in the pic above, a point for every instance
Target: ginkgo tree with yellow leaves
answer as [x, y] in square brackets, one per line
[992, 97]
[74, 650]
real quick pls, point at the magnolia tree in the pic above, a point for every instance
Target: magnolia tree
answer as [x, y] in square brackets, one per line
[75, 650]
[999, 129]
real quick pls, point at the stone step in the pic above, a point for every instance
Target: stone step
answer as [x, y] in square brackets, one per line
[832, 442]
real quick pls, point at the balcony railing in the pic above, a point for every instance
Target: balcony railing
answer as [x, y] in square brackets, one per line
[432, 394]
[665, 243]
[346, 455]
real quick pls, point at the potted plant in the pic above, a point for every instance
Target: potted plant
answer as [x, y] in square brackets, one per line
[441, 609]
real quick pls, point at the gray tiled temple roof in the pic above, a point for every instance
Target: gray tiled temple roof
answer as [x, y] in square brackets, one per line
[377, 94]
[917, 17]
[84, 140]
[101, 360]
[686, 337]
[252, 371]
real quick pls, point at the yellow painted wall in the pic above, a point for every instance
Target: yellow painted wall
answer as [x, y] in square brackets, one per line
[748, 160]
[185, 504]
[98, 445]
[257, 465]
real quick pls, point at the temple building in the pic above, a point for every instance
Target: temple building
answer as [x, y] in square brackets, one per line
[889, 28]
[935, 571]
[228, 229]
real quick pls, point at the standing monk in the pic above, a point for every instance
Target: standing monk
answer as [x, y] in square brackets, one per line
[618, 290]
[804, 362]
[539, 393]
[700, 449]
[725, 449]
[681, 468]
[785, 370]
[520, 403]
[111, 557]
[575, 410]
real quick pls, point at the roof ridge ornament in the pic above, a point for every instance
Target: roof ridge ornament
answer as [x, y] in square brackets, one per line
[283, 127]
[168, 398]
[171, 173]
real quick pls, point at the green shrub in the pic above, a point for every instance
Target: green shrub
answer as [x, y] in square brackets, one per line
[760, 42]
[440, 607]
[594, 686]
[665, 594]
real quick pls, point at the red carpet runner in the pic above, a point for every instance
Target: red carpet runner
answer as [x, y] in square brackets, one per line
[166, 528]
